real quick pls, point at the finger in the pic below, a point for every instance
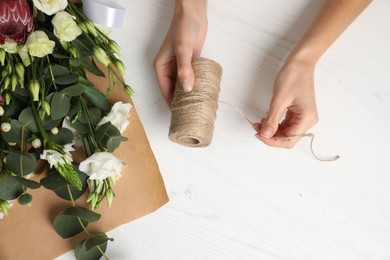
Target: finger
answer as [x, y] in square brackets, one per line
[185, 73]
[279, 142]
[271, 122]
[166, 73]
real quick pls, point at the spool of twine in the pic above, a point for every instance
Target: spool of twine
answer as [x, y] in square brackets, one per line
[194, 113]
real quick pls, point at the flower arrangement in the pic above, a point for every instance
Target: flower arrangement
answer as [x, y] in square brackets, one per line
[48, 108]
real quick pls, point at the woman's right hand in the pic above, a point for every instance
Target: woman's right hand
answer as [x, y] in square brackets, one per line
[184, 41]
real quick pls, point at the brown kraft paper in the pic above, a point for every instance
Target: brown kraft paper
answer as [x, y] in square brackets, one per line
[27, 232]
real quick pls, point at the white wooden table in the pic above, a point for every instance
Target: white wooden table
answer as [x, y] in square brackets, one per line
[239, 199]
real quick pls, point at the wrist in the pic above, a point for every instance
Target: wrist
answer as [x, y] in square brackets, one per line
[306, 56]
[193, 8]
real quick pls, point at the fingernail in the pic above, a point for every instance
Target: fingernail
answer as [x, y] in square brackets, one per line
[186, 85]
[266, 132]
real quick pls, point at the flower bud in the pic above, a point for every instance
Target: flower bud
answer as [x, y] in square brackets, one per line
[14, 82]
[11, 144]
[83, 27]
[91, 28]
[108, 91]
[2, 56]
[20, 70]
[36, 143]
[113, 45]
[110, 197]
[34, 89]
[1, 111]
[5, 127]
[7, 98]
[64, 45]
[46, 107]
[128, 90]
[120, 66]
[4, 206]
[6, 82]
[54, 131]
[101, 56]
[73, 52]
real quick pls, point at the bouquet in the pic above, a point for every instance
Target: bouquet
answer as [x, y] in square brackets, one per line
[48, 108]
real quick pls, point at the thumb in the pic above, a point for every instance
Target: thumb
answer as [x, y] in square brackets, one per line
[184, 68]
[271, 122]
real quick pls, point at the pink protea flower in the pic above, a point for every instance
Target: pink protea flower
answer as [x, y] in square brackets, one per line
[16, 20]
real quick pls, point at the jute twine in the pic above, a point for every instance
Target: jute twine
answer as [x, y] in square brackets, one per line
[194, 113]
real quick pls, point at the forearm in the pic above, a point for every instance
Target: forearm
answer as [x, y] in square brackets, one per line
[333, 18]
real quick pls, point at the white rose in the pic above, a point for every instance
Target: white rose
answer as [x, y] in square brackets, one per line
[10, 47]
[65, 28]
[100, 166]
[39, 45]
[50, 7]
[118, 116]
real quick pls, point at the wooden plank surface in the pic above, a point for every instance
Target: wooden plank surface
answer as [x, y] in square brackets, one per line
[239, 199]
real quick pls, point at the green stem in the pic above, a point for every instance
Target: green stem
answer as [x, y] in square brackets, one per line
[116, 75]
[51, 73]
[46, 138]
[82, 224]
[92, 132]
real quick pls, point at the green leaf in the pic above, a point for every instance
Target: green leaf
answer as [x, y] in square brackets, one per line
[28, 183]
[10, 188]
[64, 193]
[73, 91]
[67, 225]
[80, 127]
[83, 213]
[95, 114]
[96, 240]
[60, 106]
[15, 134]
[105, 131]
[81, 252]
[82, 46]
[67, 79]
[21, 163]
[64, 136]
[90, 65]
[58, 71]
[49, 123]
[25, 199]
[60, 56]
[96, 97]
[26, 117]
[53, 181]
[114, 142]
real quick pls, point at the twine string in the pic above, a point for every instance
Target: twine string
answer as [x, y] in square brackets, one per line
[310, 135]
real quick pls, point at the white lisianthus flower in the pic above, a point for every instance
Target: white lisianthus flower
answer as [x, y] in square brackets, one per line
[100, 166]
[10, 47]
[54, 157]
[50, 7]
[118, 116]
[65, 28]
[38, 44]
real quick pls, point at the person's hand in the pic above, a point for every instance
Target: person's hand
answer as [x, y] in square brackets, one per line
[293, 92]
[184, 41]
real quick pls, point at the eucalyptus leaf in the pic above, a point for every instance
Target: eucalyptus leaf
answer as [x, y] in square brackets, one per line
[28, 183]
[81, 252]
[73, 91]
[64, 136]
[21, 163]
[96, 240]
[53, 181]
[26, 117]
[96, 97]
[25, 199]
[83, 213]
[114, 142]
[10, 188]
[58, 71]
[15, 134]
[64, 193]
[68, 225]
[67, 79]
[60, 105]
[89, 64]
